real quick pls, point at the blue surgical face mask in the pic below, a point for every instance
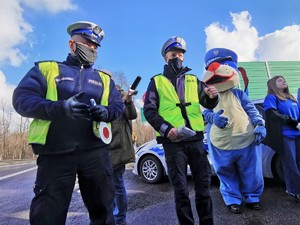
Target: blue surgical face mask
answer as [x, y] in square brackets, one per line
[86, 55]
[176, 64]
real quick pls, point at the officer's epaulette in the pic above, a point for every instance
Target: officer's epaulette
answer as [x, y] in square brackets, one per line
[38, 62]
[156, 75]
[105, 72]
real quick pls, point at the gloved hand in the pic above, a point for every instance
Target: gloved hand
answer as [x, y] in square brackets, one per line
[260, 134]
[220, 121]
[184, 133]
[75, 109]
[99, 113]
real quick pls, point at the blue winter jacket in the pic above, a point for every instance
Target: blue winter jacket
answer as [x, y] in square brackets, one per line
[65, 134]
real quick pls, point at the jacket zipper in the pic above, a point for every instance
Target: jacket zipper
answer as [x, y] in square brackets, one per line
[80, 78]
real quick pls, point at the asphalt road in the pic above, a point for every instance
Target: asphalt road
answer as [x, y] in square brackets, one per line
[277, 207]
[148, 204]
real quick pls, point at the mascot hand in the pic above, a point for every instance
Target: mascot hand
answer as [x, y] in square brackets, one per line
[219, 120]
[260, 134]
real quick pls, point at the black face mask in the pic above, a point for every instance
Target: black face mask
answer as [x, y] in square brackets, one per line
[176, 64]
[86, 55]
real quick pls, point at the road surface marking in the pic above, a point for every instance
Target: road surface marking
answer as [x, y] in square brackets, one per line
[15, 174]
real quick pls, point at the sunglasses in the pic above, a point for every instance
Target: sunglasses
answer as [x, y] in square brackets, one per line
[225, 58]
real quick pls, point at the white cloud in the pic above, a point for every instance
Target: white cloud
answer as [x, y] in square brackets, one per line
[281, 45]
[244, 40]
[53, 6]
[6, 90]
[13, 32]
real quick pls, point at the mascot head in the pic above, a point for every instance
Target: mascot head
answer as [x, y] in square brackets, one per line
[221, 69]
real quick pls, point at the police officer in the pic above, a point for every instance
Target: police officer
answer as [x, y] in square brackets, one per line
[63, 133]
[173, 101]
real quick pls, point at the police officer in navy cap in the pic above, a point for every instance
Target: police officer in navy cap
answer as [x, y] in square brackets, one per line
[64, 133]
[172, 107]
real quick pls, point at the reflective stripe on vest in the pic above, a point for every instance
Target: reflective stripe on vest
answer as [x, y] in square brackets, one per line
[169, 102]
[104, 101]
[38, 128]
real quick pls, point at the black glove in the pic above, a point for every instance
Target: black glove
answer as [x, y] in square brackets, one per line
[99, 113]
[75, 109]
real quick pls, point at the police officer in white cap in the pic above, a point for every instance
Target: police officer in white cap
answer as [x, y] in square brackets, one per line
[86, 37]
[64, 131]
[172, 105]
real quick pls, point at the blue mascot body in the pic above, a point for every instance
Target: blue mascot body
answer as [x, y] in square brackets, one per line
[235, 130]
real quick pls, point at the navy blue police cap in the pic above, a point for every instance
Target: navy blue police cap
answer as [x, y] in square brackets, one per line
[220, 55]
[88, 30]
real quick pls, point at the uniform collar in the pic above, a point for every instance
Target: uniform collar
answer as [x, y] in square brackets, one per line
[74, 61]
[170, 74]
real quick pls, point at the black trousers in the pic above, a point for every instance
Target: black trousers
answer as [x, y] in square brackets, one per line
[178, 156]
[55, 180]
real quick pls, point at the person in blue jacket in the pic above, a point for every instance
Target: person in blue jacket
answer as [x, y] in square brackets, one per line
[283, 111]
[63, 134]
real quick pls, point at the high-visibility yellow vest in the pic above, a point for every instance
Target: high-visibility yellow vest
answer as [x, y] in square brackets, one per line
[38, 128]
[169, 103]
[104, 101]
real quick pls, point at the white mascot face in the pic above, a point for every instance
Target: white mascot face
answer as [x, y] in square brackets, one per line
[223, 77]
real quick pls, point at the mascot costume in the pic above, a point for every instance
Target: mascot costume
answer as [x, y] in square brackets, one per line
[235, 130]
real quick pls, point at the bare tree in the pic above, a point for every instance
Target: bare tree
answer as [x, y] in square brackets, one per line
[143, 131]
[5, 122]
[22, 148]
[120, 79]
[13, 135]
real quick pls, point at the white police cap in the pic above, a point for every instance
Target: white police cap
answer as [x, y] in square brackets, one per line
[173, 43]
[88, 30]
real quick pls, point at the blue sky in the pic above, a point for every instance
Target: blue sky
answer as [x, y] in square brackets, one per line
[135, 30]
